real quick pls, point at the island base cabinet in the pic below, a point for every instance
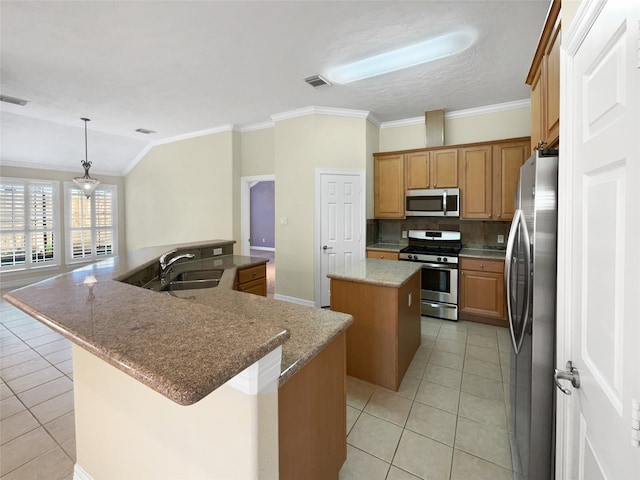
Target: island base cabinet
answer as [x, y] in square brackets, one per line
[312, 417]
[385, 333]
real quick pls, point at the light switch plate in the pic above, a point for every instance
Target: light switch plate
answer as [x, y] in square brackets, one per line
[284, 220]
[500, 238]
[217, 251]
[404, 234]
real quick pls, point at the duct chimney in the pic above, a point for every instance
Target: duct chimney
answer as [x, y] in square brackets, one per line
[434, 125]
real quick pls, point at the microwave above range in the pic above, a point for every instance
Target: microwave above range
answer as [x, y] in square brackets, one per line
[433, 203]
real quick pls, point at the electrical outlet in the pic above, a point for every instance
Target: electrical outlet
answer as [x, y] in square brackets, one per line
[404, 234]
[500, 238]
[217, 251]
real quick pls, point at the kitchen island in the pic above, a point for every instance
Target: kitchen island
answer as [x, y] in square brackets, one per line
[189, 383]
[384, 299]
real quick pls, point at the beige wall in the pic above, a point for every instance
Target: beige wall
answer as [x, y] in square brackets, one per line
[17, 279]
[257, 152]
[182, 192]
[467, 129]
[301, 145]
[373, 143]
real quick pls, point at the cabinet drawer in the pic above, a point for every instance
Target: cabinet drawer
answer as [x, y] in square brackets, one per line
[252, 273]
[482, 265]
[257, 287]
[384, 255]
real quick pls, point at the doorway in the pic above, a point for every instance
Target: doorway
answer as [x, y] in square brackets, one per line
[258, 222]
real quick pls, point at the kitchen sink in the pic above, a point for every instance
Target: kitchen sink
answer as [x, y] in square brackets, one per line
[198, 275]
[189, 280]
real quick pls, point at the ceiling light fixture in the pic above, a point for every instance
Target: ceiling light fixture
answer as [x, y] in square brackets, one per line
[14, 100]
[427, 51]
[146, 131]
[86, 183]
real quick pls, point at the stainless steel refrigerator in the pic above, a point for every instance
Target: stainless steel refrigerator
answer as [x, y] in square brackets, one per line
[530, 280]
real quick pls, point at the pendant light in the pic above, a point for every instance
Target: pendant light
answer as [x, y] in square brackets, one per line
[86, 183]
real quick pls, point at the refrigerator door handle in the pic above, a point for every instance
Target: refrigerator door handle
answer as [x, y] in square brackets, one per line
[507, 274]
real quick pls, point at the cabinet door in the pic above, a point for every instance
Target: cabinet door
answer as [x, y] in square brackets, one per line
[538, 130]
[382, 255]
[417, 170]
[388, 186]
[482, 293]
[444, 168]
[476, 175]
[507, 160]
[552, 84]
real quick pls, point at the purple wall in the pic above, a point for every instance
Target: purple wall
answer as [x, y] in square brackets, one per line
[262, 230]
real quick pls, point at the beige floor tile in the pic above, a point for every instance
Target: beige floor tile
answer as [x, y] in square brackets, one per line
[423, 457]
[352, 416]
[451, 346]
[51, 347]
[360, 465]
[358, 392]
[482, 387]
[8, 339]
[23, 449]
[430, 330]
[460, 326]
[375, 436]
[438, 396]
[34, 332]
[63, 428]
[482, 340]
[44, 339]
[13, 348]
[422, 354]
[483, 369]
[10, 406]
[17, 358]
[488, 443]
[506, 374]
[59, 355]
[446, 359]
[65, 367]
[45, 391]
[482, 353]
[427, 341]
[53, 465]
[433, 423]
[475, 328]
[416, 368]
[482, 410]
[70, 447]
[467, 467]
[24, 368]
[453, 335]
[443, 376]
[5, 391]
[409, 387]
[16, 425]
[53, 408]
[397, 474]
[29, 328]
[34, 379]
[389, 406]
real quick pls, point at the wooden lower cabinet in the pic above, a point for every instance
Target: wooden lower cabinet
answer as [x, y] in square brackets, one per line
[383, 255]
[482, 292]
[252, 280]
[385, 333]
[312, 413]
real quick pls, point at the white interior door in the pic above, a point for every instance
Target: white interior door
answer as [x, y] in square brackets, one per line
[599, 226]
[341, 220]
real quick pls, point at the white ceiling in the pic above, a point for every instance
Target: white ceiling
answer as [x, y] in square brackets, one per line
[179, 67]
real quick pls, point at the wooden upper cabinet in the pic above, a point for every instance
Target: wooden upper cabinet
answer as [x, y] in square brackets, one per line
[388, 186]
[544, 79]
[476, 175]
[507, 160]
[432, 169]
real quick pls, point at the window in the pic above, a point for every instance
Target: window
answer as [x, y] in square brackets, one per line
[92, 231]
[29, 219]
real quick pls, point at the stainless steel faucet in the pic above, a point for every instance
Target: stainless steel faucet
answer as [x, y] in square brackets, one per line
[165, 265]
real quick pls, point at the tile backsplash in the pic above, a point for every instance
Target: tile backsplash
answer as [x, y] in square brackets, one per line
[474, 233]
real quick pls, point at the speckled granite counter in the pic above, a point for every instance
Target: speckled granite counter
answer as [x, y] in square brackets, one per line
[483, 253]
[185, 344]
[378, 272]
[387, 247]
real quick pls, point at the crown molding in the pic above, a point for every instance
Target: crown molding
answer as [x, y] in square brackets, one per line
[58, 168]
[316, 110]
[470, 112]
[257, 126]
[201, 133]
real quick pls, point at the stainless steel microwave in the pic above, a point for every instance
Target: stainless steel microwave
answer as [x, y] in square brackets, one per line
[435, 202]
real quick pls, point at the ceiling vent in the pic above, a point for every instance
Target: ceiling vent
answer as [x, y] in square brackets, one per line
[14, 100]
[317, 81]
[144, 130]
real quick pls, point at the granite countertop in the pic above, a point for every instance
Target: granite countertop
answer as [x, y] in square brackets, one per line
[182, 344]
[378, 272]
[483, 253]
[387, 247]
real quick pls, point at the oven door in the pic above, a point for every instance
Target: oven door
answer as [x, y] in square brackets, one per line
[440, 283]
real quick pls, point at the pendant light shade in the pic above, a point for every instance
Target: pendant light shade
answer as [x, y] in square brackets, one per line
[86, 183]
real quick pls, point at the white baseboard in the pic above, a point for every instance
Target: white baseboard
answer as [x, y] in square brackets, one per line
[268, 249]
[298, 301]
[80, 473]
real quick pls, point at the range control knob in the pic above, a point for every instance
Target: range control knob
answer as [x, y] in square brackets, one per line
[445, 259]
[439, 259]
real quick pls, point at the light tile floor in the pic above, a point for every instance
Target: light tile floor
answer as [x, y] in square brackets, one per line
[447, 421]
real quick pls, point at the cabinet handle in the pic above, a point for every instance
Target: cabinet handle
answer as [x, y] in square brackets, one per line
[482, 265]
[540, 144]
[382, 257]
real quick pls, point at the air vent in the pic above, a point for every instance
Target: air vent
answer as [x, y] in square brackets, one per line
[145, 131]
[14, 100]
[317, 81]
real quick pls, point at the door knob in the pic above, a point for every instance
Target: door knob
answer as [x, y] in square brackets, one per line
[571, 373]
[327, 248]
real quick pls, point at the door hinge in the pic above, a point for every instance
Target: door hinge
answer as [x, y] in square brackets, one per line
[635, 423]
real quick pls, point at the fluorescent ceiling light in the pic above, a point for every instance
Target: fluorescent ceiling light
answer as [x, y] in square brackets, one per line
[427, 51]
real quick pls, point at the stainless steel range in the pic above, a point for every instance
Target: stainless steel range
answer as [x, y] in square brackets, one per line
[438, 253]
